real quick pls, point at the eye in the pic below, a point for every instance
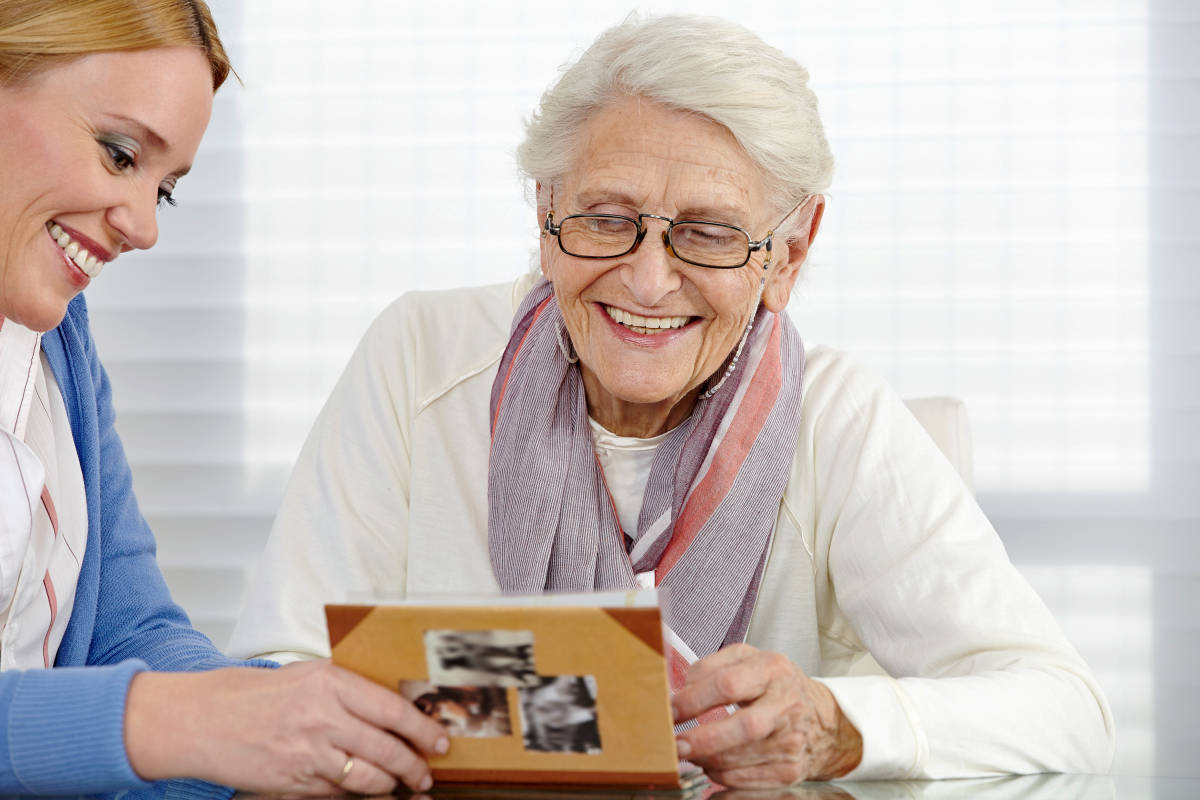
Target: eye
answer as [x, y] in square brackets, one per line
[606, 224]
[706, 235]
[122, 158]
[165, 198]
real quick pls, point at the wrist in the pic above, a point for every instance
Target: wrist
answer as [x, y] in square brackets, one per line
[157, 717]
[846, 746]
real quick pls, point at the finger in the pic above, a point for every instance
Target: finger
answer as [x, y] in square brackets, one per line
[380, 750]
[750, 726]
[384, 708]
[815, 792]
[365, 777]
[725, 657]
[741, 682]
[747, 755]
[761, 776]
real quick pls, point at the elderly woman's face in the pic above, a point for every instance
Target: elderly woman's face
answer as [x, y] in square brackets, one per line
[650, 329]
[87, 149]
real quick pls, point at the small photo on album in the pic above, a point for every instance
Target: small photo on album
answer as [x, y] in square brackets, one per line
[480, 657]
[477, 712]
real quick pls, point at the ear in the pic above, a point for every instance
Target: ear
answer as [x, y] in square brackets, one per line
[542, 203]
[789, 256]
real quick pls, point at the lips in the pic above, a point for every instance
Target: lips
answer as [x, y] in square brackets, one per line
[647, 326]
[89, 262]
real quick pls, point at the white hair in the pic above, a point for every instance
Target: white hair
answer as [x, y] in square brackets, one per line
[703, 65]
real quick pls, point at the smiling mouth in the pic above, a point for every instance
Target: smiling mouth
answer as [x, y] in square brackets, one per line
[645, 325]
[89, 264]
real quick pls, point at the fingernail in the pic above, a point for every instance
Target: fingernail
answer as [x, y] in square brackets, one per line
[443, 746]
[426, 782]
[683, 748]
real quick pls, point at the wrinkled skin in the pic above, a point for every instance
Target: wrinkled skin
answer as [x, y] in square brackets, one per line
[788, 727]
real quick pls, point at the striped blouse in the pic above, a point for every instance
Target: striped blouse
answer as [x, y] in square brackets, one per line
[43, 511]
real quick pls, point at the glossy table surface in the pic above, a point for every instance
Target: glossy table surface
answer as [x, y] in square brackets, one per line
[1024, 787]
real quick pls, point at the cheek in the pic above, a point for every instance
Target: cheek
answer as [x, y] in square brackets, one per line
[61, 163]
[733, 300]
[569, 279]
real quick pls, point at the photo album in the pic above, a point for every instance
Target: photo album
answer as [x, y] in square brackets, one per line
[560, 690]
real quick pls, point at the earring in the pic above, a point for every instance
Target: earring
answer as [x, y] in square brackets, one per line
[567, 348]
[738, 352]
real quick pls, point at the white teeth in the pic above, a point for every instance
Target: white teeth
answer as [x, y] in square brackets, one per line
[85, 260]
[644, 325]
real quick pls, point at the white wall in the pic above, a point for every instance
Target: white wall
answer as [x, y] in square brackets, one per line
[1011, 222]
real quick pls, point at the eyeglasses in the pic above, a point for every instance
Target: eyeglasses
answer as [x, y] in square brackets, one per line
[706, 244]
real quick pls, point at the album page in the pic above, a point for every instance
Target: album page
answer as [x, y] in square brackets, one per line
[552, 689]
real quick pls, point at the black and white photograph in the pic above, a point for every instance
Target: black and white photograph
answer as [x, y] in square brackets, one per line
[480, 658]
[558, 715]
[478, 712]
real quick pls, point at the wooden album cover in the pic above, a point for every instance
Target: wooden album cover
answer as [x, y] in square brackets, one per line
[529, 694]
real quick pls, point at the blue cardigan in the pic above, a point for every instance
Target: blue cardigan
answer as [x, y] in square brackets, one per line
[62, 729]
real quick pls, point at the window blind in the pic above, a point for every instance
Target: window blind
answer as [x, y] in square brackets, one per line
[1010, 222]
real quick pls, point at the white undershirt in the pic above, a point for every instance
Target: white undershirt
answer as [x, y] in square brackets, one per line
[626, 463]
[43, 508]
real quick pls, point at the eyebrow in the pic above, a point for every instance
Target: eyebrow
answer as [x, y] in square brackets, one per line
[589, 197]
[152, 136]
[725, 214]
[705, 212]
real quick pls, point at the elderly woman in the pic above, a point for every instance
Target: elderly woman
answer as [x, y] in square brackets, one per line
[102, 107]
[643, 412]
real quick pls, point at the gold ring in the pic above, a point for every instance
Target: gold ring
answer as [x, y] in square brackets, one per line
[349, 765]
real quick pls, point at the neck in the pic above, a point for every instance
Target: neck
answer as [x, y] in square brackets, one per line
[640, 420]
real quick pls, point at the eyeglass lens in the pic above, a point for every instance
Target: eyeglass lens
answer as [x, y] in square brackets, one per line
[700, 242]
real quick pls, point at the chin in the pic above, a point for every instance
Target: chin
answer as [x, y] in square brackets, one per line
[43, 317]
[646, 395]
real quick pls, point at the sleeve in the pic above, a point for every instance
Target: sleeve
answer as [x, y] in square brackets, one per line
[981, 680]
[340, 533]
[43, 715]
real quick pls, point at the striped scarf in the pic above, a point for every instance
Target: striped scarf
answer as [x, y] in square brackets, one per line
[710, 505]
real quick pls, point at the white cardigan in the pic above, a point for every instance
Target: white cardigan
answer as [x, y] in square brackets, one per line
[879, 548]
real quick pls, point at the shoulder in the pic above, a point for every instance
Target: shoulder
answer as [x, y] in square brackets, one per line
[836, 386]
[461, 313]
[850, 417]
[858, 433]
[430, 340]
[841, 394]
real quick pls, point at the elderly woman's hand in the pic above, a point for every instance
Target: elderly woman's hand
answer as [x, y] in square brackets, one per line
[788, 728]
[293, 730]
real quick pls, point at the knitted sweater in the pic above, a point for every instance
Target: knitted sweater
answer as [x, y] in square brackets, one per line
[62, 729]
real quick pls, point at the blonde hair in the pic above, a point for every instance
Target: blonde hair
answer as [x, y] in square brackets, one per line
[703, 65]
[36, 35]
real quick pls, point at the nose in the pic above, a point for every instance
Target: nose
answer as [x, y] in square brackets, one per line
[135, 219]
[650, 272]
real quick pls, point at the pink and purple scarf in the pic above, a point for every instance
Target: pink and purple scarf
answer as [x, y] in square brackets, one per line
[710, 505]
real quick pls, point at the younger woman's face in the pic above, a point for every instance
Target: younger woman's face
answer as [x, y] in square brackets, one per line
[88, 150]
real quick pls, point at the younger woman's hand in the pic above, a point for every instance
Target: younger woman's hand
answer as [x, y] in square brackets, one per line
[291, 730]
